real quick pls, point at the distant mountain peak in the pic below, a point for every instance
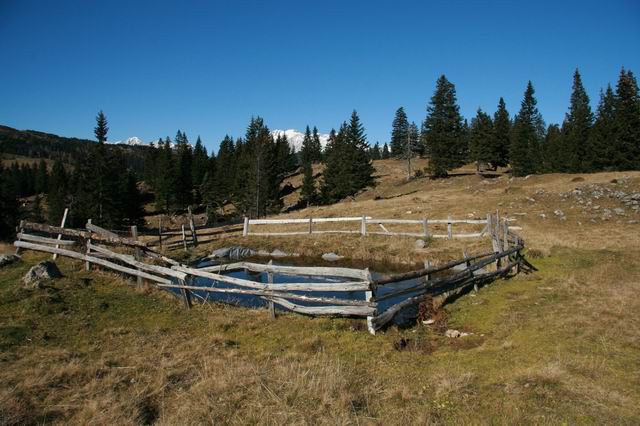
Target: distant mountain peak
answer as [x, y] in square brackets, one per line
[296, 137]
[133, 140]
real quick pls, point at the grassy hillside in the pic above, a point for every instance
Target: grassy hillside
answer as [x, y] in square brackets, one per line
[558, 346]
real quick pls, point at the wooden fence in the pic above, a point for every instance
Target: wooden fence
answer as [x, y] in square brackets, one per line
[301, 297]
[425, 226]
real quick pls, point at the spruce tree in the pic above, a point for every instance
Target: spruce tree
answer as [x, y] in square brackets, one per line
[308, 193]
[374, 152]
[528, 134]
[199, 166]
[502, 134]
[399, 133]
[306, 150]
[553, 156]
[602, 135]
[183, 180]
[165, 176]
[575, 129]
[101, 128]
[358, 160]
[316, 146]
[225, 173]
[335, 185]
[385, 152]
[482, 143]
[56, 197]
[626, 143]
[443, 131]
[42, 178]
[9, 209]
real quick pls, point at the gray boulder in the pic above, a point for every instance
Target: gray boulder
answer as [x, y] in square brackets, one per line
[420, 244]
[45, 270]
[331, 257]
[8, 259]
[234, 252]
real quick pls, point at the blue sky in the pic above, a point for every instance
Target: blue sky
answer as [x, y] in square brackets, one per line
[206, 67]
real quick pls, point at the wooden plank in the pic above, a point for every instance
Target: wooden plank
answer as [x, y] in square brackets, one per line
[272, 308]
[361, 311]
[425, 227]
[92, 259]
[184, 239]
[137, 254]
[140, 265]
[370, 297]
[62, 223]
[45, 240]
[449, 228]
[337, 286]
[276, 294]
[245, 229]
[87, 265]
[49, 229]
[363, 226]
[99, 230]
[321, 271]
[192, 226]
[395, 221]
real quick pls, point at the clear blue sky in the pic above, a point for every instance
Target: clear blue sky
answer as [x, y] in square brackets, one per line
[207, 67]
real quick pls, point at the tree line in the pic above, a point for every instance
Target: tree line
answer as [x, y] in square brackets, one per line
[606, 140]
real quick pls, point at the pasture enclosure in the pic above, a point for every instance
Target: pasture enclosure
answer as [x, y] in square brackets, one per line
[332, 291]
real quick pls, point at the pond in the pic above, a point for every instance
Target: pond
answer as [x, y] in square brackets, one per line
[403, 318]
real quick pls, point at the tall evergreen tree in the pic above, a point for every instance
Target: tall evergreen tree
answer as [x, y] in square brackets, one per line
[553, 156]
[101, 128]
[56, 197]
[626, 143]
[316, 146]
[308, 193]
[602, 135]
[9, 209]
[285, 156]
[443, 130]
[482, 142]
[575, 129]
[42, 178]
[374, 152]
[385, 152]
[165, 176]
[225, 174]
[199, 166]
[502, 133]
[399, 133]
[183, 180]
[527, 137]
[306, 150]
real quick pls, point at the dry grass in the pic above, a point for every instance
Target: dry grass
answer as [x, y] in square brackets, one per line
[558, 346]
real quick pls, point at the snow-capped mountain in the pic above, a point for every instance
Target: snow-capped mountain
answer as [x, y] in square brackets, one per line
[133, 140]
[295, 138]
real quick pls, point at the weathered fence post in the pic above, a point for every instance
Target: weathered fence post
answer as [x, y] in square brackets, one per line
[245, 229]
[184, 239]
[425, 227]
[427, 265]
[363, 226]
[506, 234]
[137, 254]
[186, 294]
[487, 229]
[272, 307]
[64, 220]
[370, 297]
[449, 228]
[468, 265]
[160, 231]
[192, 225]
[87, 265]
[310, 225]
[20, 231]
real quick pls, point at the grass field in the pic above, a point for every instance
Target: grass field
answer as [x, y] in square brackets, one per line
[558, 346]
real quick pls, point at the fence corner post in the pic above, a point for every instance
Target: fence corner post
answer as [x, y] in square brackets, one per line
[137, 255]
[245, 229]
[425, 226]
[449, 228]
[363, 226]
[310, 225]
[87, 265]
[370, 297]
[192, 226]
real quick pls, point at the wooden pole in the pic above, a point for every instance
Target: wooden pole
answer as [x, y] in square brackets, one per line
[192, 225]
[370, 297]
[64, 220]
[425, 227]
[137, 254]
[184, 239]
[363, 226]
[87, 265]
[186, 294]
[245, 229]
[20, 231]
[449, 228]
[160, 232]
[310, 225]
[272, 307]
[505, 235]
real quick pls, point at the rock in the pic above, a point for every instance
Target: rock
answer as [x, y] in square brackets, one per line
[420, 244]
[429, 322]
[45, 270]
[234, 252]
[619, 211]
[559, 213]
[453, 334]
[278, 253]
[331, 257]
[8, 259]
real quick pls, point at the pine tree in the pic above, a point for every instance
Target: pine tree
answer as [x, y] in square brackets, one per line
[316, 146]
[199, 166]
[183, 181]
[359, 162]
[600, 153]
[553, 156]
[502, 134]
[399, 133]
[626, 143]
[385, 152]
[42, 178]
[132, 209]
[335, 185]
[165, 176]
[482, 142]
[374, 152]
[56, 197]
[443, 130]
[101, 128]
[308, 193]
[285, 156]
[306, 150]
[225, 174]
[9, 210]
[528, 134]
[575, 129]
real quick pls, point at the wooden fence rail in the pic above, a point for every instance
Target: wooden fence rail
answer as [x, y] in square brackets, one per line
[363, 294]
[364, 229]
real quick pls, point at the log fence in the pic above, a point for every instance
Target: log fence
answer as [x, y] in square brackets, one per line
[333, 291]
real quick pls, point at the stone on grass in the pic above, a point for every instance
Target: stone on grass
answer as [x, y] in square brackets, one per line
[331, 257]
[420, 244]
[278, 253]
[235, 252]
[45, 270]
[8, 259]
